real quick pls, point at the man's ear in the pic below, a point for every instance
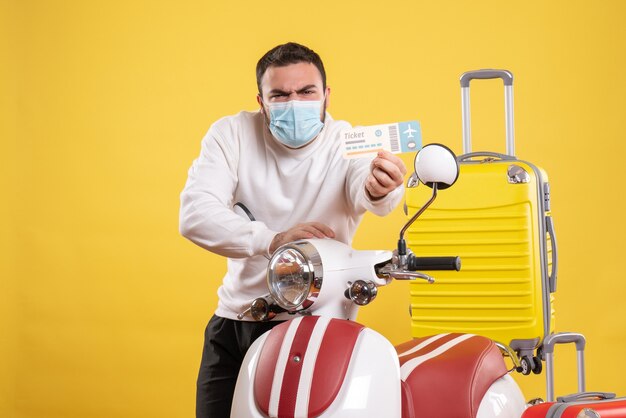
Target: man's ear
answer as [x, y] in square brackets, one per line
[327, 98]
[259, 100]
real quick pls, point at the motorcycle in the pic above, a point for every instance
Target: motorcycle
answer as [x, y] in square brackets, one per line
[322, 363]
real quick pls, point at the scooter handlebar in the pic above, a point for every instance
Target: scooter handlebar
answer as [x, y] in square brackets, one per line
[434, 263]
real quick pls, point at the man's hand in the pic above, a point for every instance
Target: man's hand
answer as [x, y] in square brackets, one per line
[386, 174]
[301, 231]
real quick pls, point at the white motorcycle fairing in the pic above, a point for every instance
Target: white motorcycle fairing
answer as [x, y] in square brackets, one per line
[342, 264]
[322, 367]
[319, 367]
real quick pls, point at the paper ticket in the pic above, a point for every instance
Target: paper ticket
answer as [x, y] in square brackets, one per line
[366, 141]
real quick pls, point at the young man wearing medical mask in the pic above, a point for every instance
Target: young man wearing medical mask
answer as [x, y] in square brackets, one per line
[284, 164]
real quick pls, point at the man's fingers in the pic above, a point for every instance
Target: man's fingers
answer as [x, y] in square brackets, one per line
[374, 188]
[305, 233]
[323, 228]
[317, 229]
[392, 169]
[302, 231]
[386, 173]
[383, 178]
[390, 163]
[386, 155]
[310, 229]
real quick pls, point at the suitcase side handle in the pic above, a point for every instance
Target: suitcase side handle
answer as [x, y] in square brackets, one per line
[585, 395]
[555, 255]
[548, 351]
[507, 77]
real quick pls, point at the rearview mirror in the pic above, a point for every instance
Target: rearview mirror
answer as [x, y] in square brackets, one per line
[436, 163]
[436, 166]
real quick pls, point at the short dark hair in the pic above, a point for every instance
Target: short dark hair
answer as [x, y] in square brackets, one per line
[285, 54]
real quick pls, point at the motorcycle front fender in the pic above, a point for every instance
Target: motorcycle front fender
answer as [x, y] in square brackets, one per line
[370, 388]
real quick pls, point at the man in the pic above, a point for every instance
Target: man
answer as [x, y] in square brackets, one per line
[284, 164]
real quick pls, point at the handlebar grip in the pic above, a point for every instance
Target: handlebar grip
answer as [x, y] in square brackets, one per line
[434, 263]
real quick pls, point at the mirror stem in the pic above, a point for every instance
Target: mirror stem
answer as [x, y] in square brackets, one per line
[401, 242]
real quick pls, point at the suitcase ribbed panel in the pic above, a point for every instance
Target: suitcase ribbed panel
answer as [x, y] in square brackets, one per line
[494, 227]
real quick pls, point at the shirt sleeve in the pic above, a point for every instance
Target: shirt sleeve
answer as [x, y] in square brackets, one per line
[358, 170]
[206, 202]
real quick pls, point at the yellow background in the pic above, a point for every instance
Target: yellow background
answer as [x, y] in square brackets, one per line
[103, 106]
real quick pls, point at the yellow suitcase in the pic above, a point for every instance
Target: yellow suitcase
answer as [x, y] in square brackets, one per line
[497, 219]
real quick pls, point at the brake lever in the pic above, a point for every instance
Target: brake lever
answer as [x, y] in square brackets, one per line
[396, 270]
[410, 275]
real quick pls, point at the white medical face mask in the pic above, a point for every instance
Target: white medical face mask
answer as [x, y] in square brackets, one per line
[297, 122]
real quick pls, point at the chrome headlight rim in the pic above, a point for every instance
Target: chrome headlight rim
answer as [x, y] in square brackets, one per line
[312, 264]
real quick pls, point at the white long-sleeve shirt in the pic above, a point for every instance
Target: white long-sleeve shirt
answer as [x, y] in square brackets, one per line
[240, 161]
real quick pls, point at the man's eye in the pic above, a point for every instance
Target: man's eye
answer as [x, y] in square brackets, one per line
[309, 92]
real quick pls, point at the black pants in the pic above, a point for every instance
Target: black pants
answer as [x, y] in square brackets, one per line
[225, 344]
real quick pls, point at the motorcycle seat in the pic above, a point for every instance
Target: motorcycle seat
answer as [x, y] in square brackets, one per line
[447, 375]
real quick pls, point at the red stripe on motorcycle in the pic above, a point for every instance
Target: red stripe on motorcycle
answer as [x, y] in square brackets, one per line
[332, 363]
[293, 368]
[265, 367]
[409, 345]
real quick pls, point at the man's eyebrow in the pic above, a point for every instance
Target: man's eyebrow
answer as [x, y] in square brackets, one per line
[301, 90]
[277, 91]
[307, 87]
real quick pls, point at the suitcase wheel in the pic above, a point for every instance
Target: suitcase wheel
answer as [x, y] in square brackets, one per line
[538, 366]
[530, 364]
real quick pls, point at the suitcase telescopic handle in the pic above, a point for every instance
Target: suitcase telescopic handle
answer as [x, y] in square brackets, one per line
[507, 78]
[487, 74]
[548, 350]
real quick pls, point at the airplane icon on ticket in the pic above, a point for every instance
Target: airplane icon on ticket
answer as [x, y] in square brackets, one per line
[409, 131]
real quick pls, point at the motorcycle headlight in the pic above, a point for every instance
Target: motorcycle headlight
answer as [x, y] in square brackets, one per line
[294, 276]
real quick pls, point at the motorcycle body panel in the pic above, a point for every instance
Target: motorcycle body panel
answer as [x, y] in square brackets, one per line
[342, 265]
[370, 386]
[503, 399]
[322, 367]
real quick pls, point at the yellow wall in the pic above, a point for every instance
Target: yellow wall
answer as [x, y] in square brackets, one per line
[103, 304]
[8, 206]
